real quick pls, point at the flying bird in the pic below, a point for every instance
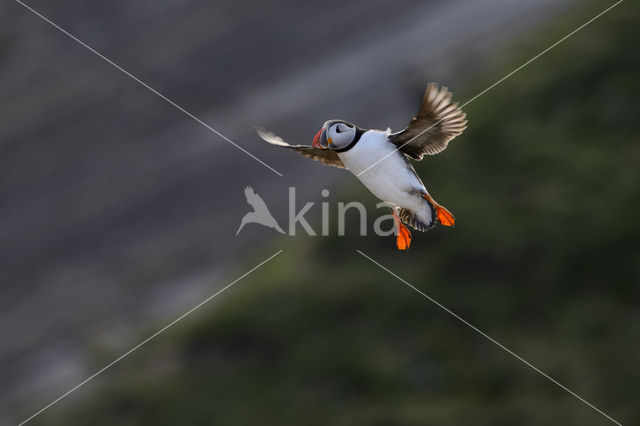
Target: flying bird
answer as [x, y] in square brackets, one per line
[260, 213]
[380, 159]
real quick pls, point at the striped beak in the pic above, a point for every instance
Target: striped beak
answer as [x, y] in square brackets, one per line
[320, 140]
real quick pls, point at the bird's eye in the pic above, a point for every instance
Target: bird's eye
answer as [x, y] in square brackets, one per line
[338, 129]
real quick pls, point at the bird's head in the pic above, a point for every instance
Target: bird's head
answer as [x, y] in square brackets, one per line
[335, 134]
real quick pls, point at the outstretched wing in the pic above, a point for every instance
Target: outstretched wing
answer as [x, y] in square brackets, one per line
[254, 200]
[325, 156]
[438, 121]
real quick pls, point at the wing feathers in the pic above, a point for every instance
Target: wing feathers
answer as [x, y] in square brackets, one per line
[438, 121]
[325, 156]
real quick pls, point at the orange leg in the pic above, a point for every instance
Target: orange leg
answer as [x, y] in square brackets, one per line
[403, 239]
[444, 216]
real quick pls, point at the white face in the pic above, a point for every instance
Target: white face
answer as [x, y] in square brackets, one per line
[340, 135]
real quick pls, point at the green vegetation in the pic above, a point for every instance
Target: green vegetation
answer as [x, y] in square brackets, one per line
[544, 257]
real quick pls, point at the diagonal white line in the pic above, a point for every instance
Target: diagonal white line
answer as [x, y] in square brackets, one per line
[145, 85]
[498, 82]
[163, 329]
[491, 339]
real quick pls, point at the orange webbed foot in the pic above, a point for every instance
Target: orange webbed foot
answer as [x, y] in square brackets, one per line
[444, 216]
[403, 240]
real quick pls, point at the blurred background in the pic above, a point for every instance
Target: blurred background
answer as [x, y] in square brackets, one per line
[118, 213]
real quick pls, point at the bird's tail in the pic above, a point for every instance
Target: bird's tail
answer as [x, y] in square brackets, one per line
[422, 223]
[277, 227]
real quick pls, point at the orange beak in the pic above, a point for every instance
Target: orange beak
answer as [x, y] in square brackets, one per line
[320, 138]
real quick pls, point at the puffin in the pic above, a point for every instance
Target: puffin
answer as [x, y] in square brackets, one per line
[380, 159]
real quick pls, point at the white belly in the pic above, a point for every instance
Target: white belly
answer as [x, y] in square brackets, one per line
[390, 179]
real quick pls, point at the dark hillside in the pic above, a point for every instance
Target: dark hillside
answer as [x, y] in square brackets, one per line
[544, 258]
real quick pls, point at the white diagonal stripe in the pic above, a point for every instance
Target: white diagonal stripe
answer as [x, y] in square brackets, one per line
[163, 329]
[491, 339]
[146, 86]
